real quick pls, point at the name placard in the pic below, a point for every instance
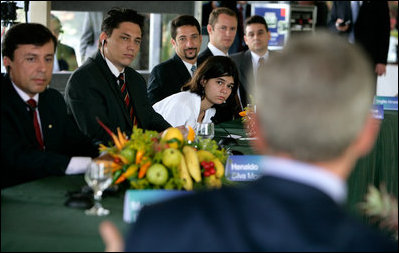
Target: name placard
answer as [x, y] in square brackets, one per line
[377, 111]
[136, 199]
[389, 103]
[243, 167]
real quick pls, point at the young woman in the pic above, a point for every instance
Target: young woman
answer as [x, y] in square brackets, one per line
[215, 81]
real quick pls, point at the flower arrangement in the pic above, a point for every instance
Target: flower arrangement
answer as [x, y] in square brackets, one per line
[383, 208]
[149, 160]
[248, 120]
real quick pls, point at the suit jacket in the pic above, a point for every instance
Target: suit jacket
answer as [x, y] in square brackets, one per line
[22, 160]
[270, 214]
[166, 79]
[372, 27]
[243, 61]
[92, 92]
[203, 56]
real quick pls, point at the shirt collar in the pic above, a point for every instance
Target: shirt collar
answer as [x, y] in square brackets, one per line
[25, 97]
[308, 174]
[188, 66]
[112, 67]
[255, 57]
[216, 51]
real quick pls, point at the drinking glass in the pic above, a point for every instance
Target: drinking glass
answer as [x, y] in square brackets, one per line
[98, 177]
[205, 130]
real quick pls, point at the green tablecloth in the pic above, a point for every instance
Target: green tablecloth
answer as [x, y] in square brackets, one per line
[34, 218]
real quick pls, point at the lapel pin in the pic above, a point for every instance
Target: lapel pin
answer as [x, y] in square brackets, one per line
[50, 126]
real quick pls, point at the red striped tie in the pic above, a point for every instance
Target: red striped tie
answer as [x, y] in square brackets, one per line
[126, 97]
[32, 105]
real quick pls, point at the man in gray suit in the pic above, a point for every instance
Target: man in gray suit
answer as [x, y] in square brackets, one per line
[257, 38]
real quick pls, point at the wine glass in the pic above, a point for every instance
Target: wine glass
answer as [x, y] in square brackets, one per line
[205, 130]
[98, 177]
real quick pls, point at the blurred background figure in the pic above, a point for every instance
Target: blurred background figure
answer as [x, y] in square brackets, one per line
[65, 57]
[367, 24]
[243, 10]
[90, 33]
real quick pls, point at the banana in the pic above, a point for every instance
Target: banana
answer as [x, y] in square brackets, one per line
[204, 155]
[192, 163]
[218, 167]
[184, 175]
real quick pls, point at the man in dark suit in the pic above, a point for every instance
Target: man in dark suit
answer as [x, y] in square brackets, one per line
[168, 77]
[38, 138]
[222, 28]
[369, 27]
[257, 38]
[310, 150]
[105, 87]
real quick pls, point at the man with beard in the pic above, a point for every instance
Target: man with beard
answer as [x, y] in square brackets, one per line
[168, 77]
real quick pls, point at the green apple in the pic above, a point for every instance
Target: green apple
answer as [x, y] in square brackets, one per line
[157, 174]
[171, 157]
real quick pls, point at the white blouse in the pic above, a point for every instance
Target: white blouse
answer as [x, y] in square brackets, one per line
[183, 108]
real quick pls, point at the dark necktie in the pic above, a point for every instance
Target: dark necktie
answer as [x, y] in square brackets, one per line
[126, 97]
[32, 105]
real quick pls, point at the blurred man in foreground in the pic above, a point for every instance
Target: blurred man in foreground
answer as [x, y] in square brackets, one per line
[304, 108]
[38, 138]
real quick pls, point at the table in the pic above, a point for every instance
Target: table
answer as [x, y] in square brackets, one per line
[34, 218]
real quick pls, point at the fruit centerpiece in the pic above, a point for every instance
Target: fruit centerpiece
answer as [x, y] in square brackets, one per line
[149, 160]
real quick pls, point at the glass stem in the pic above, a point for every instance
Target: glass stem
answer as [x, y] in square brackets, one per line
[97, 197]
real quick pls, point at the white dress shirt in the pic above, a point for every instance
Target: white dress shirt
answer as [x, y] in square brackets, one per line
[183, 108]
[255, 60]
[216, 51]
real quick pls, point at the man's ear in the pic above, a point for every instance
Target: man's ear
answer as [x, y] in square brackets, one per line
[269, 35]
[173, 42]
[209, 29]
[103, 36]
[259, 144]
[6, 61]
[366, 139]
[245, 39]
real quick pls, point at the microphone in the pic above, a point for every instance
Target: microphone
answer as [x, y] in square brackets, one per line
[224, 141]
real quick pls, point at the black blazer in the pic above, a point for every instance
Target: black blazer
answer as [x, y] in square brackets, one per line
[204, 55]
[372, 27]
[92, 92]
[243, 61]
[166, 79]
[270, 214]
[22, 160]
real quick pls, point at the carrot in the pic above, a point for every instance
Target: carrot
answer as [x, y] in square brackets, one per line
[191, 134]
[114, 137]
[243, 113]
[122, 139]
[139, 156]
[143, 169]
[128, 173]
[102, 147]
